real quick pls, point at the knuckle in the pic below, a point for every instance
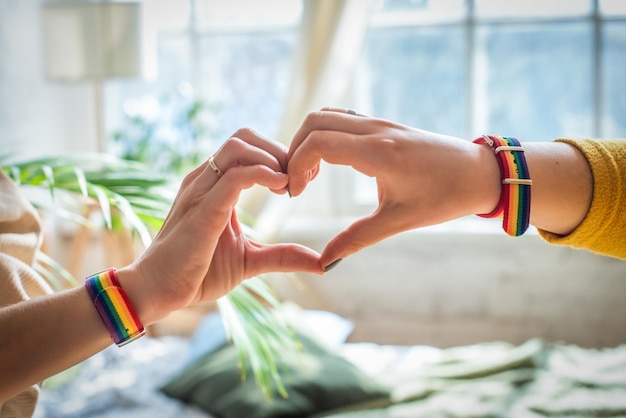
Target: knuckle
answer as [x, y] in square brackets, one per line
[234, 144]
[312, 117]
[245, 132]
[189, 178]
[315, 137]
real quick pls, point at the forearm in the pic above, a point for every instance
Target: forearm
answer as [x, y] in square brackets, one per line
[43, 336]
[562, 186]
[602, 229]
[46, 335]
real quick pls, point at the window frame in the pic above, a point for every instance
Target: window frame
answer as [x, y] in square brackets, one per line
[344, 200]
[471, 23]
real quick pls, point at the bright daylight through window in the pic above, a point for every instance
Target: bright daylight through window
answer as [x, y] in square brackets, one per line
[534, 69]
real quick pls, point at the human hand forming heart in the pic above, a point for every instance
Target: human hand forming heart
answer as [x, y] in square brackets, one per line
[422, 178]
[201, 252]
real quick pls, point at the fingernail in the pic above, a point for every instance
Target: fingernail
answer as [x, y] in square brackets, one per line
[332, 265]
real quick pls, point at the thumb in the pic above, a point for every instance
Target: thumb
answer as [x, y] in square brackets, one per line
[362, 233]
[265, 258]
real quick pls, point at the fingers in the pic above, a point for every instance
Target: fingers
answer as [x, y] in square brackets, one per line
[281, 258]
[223, 196]
[336, 136]
[359, 151]
[246, 145]
[329, 119]
[244, 148]
[304, 163]
[276, 149]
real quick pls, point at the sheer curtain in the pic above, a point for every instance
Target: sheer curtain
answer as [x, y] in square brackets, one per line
[331, 38]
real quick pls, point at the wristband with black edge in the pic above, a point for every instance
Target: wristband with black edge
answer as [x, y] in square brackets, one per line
[514, 204]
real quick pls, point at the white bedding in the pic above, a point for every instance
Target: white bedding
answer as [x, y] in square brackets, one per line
[534, 379]
[124, 382]
[119, 383]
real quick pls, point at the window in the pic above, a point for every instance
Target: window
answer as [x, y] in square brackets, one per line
[234, 56]
[535, 69]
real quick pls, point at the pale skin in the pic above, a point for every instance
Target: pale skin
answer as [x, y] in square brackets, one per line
[199, 255]
[425, 178]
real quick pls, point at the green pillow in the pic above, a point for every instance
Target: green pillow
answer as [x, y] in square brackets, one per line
[316, 381]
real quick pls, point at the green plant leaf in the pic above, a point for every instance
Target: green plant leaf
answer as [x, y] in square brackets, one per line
[105, 207]
[124, 206]
[16, 175]
[55, 274]
[82, 181]
[260, 334]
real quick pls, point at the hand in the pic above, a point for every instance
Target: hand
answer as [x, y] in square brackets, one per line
[422, 178]
[201, 252]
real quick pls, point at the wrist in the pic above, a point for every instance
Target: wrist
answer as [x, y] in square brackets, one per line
[132, 282]
[487, 179]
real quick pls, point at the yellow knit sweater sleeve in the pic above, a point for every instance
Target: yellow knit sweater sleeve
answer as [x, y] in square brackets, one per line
[604, 228]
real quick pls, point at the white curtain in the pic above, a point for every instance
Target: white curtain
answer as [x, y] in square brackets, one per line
[330, 44]
[331, 39]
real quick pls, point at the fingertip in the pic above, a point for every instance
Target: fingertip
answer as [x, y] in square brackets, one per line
[329, 258]
[317, 269]
[293, 189]
[332, 265]
[281, 191]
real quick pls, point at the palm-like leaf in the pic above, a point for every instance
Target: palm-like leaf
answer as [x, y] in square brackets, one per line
[258, 333]
[143, 199]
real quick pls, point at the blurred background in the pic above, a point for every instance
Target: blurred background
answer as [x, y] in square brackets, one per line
[167, 81]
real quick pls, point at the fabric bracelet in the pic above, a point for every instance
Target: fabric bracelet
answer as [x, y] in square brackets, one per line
[514, 204]
[114, 307]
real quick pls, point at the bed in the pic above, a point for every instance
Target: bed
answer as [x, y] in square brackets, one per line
[181, 377]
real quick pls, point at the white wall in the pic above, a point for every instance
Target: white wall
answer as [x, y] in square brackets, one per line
[446, 286]
[37, 117]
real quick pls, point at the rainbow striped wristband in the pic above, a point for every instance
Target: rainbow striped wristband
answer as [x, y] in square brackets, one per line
[514, 205]
[114, 307]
